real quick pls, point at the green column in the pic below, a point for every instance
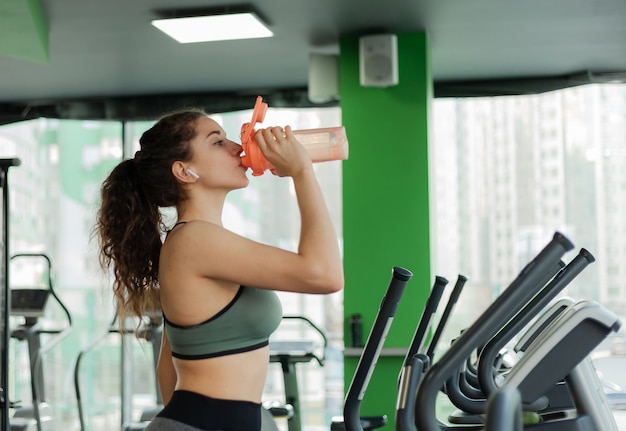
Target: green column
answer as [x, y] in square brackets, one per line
[386, 204]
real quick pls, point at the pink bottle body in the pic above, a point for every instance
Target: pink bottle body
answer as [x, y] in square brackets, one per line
[324, 145]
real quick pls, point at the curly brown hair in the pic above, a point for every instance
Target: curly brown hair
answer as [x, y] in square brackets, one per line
[129, 223]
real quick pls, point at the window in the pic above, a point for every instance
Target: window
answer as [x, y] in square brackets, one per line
[560, 184]
[54, 197]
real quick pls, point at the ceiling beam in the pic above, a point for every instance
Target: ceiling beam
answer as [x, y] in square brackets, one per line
[150, 107]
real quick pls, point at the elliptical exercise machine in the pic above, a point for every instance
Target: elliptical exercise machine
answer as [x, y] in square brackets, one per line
[5, 298]
[288, 353]
[558, 352]
[150, 330]
[29, 305]
[352, 420]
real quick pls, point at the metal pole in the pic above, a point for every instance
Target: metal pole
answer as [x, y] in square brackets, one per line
[5, 298]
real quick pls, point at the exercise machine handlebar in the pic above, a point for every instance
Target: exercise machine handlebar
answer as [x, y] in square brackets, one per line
[520, 291]
[371, 351]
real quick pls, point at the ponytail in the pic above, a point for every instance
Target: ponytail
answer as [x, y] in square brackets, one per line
[129, 231]
[129, 223]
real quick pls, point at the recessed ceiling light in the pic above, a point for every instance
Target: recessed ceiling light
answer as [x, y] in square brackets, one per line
[213, 27]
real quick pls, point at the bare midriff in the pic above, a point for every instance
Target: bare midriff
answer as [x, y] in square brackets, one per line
[223, 377]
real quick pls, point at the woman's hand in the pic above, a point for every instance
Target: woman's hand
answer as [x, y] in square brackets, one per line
[282, 149]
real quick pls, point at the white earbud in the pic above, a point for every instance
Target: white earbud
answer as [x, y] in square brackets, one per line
[193, 174]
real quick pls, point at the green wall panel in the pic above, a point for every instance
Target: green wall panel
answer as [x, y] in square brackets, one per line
[23, 30]
[386, 203]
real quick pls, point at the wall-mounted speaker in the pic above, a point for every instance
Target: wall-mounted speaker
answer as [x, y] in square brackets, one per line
[323, 78]
[378, 60]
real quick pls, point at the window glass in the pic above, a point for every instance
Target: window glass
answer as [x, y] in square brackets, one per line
[510, 171]
[54, 196]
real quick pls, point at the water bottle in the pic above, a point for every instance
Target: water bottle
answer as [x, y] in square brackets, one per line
[356, 330]
[323, 145]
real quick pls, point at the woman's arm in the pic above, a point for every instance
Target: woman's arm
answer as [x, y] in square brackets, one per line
[166, 374]
[318, 250]
[318, 241]
[316, 267]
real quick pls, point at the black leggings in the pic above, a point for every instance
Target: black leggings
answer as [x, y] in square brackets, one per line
[200, 412]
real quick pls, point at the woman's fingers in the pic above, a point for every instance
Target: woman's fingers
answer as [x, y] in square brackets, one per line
[282, 149]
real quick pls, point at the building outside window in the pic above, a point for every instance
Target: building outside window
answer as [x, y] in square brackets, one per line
[509, 172]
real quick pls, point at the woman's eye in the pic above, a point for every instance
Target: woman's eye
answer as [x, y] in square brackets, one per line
[220, 143]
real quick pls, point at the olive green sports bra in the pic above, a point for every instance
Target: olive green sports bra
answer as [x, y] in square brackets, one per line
[244, 324]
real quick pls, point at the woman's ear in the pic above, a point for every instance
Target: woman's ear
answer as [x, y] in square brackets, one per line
[183, 174]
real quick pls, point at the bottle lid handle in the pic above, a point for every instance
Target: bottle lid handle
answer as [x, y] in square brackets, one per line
[252, 156]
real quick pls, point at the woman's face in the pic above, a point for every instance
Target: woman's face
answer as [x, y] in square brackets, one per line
[216, 160]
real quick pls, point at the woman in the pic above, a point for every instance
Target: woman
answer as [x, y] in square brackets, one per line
[215, 288]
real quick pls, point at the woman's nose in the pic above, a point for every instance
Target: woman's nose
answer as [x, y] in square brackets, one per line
[235, 148]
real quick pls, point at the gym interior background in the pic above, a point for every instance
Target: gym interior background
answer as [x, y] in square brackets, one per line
[564, 166]
[504, 172]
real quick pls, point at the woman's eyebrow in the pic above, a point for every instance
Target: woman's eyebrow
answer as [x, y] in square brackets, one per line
[214, 132]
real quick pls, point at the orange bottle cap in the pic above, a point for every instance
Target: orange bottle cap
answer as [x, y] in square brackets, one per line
[252, 156]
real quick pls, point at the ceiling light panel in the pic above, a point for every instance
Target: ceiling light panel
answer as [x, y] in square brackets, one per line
[213, 28]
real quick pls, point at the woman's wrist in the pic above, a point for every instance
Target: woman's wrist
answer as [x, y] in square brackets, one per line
[305, 171]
